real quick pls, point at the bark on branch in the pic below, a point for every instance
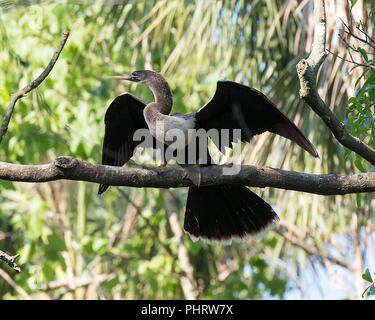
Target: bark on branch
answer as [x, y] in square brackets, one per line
[167, 177]
[31, 86]
[10, 260]
[307, 70]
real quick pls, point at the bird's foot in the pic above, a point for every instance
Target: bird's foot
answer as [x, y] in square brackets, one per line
[162, 162]
[193, 174]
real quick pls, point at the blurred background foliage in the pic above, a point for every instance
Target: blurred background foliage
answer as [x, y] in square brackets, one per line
[129, 243]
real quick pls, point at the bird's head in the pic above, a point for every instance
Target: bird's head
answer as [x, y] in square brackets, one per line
[141, 76]
[155, 82]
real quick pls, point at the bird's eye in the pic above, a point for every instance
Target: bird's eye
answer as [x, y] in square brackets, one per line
[135, 74]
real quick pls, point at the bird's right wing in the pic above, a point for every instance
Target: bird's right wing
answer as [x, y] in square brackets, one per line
[236, 106]
[123, 118]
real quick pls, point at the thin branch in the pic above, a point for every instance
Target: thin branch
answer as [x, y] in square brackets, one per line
[10, 260]
[292, 233]
[128, 220]
[311, 249]
[352, 60]
[76, 249]
[350, 14]
[96, 280]
[34, 84]
[350, 46]
[307, 70]
[336, 278]
[154, 229]
[167, 177]
[14, 285]
[188, 282]
[363, 31]
[357, 258]
[78, 282]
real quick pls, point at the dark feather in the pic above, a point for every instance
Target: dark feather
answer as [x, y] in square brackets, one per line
[236, 106]
[225, 212]
[213, 213]
[123, 117]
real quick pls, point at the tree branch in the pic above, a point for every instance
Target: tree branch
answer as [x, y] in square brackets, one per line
[307, 70]
[167, 177]
[318, 54]
[78, 282]
[34, 84]
[352, 61]
[14, 285]
[309, 247]
[10, 260]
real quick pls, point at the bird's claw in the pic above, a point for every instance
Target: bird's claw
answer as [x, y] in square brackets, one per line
[193, 174]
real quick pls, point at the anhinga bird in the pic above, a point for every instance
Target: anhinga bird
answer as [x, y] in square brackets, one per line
[215, 213]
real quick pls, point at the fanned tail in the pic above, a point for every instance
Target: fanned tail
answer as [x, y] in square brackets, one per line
[224, 213]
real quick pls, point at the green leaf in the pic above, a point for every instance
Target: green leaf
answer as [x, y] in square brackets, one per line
[347, 154]
[371, 290]
[351, 100]
[26, 253]
[367, 123]
[373, 132]
[365, 88]
[54, 246]
[358, 163]
[359, 200]
[36, 222]
[367, 275]
[100, 246]
[364, 54]
[370, 79]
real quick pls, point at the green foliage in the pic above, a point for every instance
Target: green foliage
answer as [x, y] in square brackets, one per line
[360, 113]
[371, 288]
[63, 229]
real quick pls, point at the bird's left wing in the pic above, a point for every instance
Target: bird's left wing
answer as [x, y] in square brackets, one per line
[236, 106]
[123, 117]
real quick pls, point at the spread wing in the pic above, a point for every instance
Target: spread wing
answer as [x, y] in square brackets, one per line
[123, 117]
[236, 106]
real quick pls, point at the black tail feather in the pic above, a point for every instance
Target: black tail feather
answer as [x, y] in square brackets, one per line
[102, 188]
[225, 212]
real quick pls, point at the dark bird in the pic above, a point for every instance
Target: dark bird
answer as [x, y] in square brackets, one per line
[217, 213]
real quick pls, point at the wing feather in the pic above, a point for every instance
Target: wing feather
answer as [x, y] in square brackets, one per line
[123, 117]
[236, 106]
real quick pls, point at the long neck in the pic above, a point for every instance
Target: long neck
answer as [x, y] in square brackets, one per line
[163, 96]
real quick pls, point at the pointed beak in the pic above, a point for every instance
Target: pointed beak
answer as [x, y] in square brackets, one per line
[124, 77]
[121, 77]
